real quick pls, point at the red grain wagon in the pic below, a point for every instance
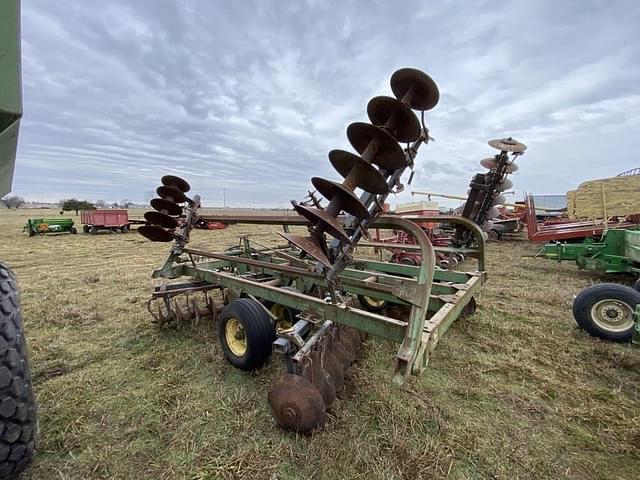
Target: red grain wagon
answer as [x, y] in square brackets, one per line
[104, 219]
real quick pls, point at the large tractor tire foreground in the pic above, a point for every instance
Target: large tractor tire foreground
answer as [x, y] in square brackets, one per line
[18, 421]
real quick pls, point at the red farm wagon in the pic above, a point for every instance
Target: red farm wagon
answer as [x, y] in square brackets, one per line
[104, 219]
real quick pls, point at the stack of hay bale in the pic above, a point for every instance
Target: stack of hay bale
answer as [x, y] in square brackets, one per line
[605, 198]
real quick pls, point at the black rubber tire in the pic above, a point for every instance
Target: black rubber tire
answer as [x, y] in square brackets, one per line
[124, 228]
[93, 230]
[74, 230]
[18, 420]
[587, 298]
[259, 331]
[367, 305]
[85, 228]
[636, 285]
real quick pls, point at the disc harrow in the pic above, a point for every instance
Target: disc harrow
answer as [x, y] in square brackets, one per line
[299, 299]
[485, 189]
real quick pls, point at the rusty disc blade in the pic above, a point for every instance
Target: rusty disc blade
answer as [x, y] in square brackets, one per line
[317, 215]
[507, 145]
[387, 153]
[171, 193]
[499, 200]
[155, 233]
[423, 90]
[165, 206]
[323, 382]
[296, 404]
[353, 336]
[506, 184]
[367, 177]
[334, 367]
[493, 213]
[309, 246]
[177, 182]
[157, 218]
[347, 200]
[491, 163]
[350, 347]
[342, 353]
[395, 116]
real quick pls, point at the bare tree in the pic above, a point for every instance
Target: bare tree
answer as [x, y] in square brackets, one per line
[101, 204]
[13, 201]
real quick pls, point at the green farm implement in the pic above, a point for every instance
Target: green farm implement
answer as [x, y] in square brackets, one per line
[311, 297]
[37, 226]
[605, 310]
[618, 251]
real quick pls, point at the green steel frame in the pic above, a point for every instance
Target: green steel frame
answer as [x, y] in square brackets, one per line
[618, 251]
[436, 297]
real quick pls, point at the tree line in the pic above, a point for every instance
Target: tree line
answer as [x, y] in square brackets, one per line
[69, 204]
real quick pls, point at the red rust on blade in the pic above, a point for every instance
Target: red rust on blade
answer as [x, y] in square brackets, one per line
[296, 404]
[171, 194]
[396, 116]
[367, 176]
[334, 367]
[347, 200]
[155, 233]
[165, 206]
[389, 154]
[321, 379]
[424, 91]
[308, 246]
[157, 218]
[316, 215]
[507, 145]
[177, 182]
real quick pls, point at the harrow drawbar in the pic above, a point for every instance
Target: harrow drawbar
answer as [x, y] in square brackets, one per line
[312, 300]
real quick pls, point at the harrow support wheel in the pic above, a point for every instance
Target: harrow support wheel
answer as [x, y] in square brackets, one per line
[374, 305]
[246, 333]
[606, 311]
[286, 316]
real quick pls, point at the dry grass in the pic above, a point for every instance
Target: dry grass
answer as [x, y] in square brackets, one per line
[517, 391]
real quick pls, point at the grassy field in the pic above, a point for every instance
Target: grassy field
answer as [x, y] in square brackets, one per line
[515, 391]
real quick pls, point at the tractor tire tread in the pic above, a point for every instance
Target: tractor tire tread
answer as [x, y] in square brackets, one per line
[18, 421]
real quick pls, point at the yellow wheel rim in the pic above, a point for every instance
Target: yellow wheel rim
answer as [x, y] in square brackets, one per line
[235, 336]
[284, 320]
[374, 302]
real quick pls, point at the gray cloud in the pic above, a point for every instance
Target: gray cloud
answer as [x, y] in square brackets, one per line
[250, 96]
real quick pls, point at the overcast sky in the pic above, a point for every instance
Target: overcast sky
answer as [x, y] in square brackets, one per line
[250, 96]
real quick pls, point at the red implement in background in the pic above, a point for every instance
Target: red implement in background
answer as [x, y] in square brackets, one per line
[565, 229]
[104, 219]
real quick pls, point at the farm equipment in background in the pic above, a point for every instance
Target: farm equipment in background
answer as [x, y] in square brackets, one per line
[485, 190]
[210, 225]
[298, 299]
[617, 251]
[41, 226]
[609, 311]
[113, 220]
[481, 207]
[18, 415]
[558, 229]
